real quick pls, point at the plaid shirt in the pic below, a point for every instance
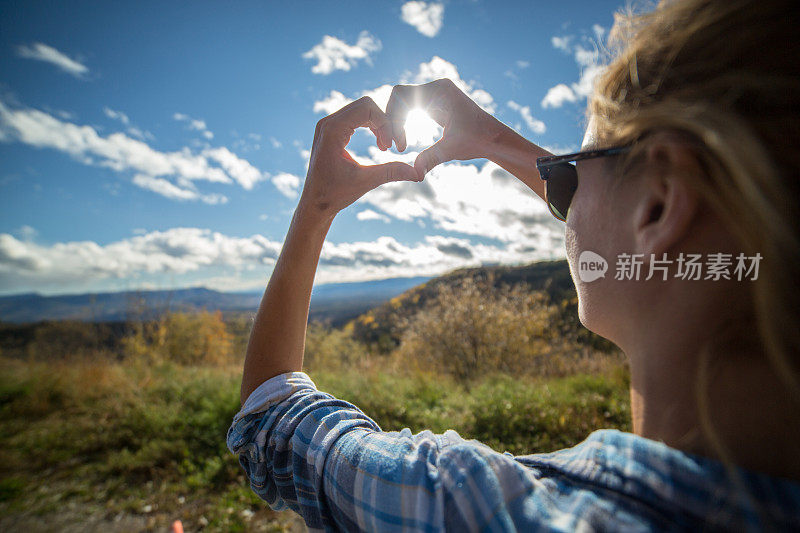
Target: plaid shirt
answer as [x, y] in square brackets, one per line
[329, 462]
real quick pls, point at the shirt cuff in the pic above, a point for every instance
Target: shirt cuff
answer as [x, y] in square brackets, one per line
[274, 390]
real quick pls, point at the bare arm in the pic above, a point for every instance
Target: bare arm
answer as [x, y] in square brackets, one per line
[517, 155]
[333, 182]
[278, 336]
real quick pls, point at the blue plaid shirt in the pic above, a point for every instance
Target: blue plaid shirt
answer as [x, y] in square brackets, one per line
[322, 457]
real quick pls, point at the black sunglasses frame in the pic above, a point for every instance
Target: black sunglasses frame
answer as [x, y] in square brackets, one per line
[547, 163]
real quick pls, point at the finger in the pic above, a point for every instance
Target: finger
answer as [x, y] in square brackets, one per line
[362, 112]
[436, 154]
[397, 109]
[376, 175]
[429, 96]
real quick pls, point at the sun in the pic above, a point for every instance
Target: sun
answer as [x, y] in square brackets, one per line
[421, 129]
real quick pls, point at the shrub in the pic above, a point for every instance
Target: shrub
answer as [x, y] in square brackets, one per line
[331, 349]
[470, 329]
[183, 338]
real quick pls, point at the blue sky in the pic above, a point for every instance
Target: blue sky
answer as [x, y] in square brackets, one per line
[163, 144]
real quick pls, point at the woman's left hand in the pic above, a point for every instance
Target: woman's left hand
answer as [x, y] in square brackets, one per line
[334, 179]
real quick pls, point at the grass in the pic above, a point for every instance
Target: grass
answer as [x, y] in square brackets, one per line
[140, 445]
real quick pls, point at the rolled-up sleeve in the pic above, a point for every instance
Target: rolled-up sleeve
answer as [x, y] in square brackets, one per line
[322, 457]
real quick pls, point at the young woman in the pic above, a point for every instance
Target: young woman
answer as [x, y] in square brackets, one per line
[691, 151]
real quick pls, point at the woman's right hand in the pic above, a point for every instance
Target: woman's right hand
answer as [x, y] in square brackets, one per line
[469, 131]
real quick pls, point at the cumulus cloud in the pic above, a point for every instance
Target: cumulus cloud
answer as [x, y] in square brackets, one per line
[424, 16]
[174, 251]
[169, 190]
[556, 96]
[588, 61]
[334, 54]
[534, 124]
[484, 201]
[331, 103]
[48, 54]
[204, 254]
[287, 184]
[369, 214]
[387, 257]
[122, 153]
[239, 169]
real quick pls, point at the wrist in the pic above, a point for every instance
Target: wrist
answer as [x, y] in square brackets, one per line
[314, 213]
[312, 220]
[500, 139]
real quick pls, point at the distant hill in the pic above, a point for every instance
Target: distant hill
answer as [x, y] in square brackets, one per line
[335, 303]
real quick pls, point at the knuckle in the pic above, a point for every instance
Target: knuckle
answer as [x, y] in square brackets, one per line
[446, 84]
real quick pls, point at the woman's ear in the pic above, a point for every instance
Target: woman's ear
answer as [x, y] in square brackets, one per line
[667, 202]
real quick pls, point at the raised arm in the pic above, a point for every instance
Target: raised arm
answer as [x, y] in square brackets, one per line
[469, 132]
[333, 182]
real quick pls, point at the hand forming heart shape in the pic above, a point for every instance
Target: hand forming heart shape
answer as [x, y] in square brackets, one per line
[335, 180]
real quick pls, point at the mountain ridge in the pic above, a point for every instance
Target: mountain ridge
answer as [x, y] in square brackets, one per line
[123, 305]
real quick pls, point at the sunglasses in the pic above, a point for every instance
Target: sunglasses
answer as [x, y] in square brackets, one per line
[560, 176]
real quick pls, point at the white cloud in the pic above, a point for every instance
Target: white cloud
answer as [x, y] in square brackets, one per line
[556, 96]
[333, 102]
[588, 61]
[124, 119]
[534, 124]
[116, 115]
[387, 257]
[425, 17]
[48, 54]
[275, 143]
[523, 64]
[214, 259]
[484, 201]
[169, 190]
[334, 54]
[122, 153]
[287, 184]
[239, 169]
[194, 124]
[174, 251]
[562, 43]
[369, 214]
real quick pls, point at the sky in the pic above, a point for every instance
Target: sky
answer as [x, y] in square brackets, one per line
[160, 145]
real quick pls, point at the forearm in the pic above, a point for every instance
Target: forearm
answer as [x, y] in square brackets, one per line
[517, 155]
[278, 336]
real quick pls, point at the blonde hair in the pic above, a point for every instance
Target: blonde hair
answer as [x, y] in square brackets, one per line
[726, 75]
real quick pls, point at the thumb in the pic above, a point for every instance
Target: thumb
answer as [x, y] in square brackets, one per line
[377, 175]
[435, 154]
